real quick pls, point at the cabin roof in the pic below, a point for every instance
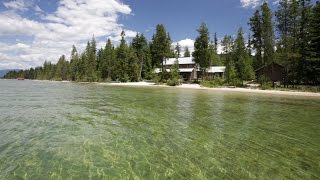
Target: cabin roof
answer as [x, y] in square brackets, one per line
[216, 69]
[213, 69]
[273, 63]
[189, 70]
[182, 60]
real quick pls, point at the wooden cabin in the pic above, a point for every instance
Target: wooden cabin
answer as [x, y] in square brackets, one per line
[189, 70]
[274, 72]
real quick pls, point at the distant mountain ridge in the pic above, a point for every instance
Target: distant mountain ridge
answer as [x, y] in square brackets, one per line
[3, 72]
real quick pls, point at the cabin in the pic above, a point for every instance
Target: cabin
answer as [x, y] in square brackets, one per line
[189, 70]
[274, 72]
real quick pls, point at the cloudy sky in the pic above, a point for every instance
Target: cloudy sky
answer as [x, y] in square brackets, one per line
[32, 31]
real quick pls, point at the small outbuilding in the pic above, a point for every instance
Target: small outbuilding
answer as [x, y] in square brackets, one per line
[274, 72]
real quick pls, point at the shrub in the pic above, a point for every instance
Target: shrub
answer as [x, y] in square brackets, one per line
[213, 83]
[264, 80]
[266, 86]
[164, 76]
[124, 78]
[173, 82]
[108, 80]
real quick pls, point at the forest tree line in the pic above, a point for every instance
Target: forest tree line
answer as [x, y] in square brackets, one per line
[289, 36]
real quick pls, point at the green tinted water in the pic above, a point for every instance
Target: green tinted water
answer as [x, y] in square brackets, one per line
[51, 130]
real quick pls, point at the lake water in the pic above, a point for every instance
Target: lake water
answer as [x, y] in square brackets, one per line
[55, 130]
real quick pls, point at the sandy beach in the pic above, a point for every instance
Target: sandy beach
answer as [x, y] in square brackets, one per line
[197, 86]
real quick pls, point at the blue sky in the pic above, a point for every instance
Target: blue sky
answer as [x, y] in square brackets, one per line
[32, 31]
[182, 18]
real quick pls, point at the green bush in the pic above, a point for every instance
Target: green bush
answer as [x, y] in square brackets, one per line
[124, 78]
[263, 80]
[164, 76]
[305, 88]
[266, 86]
[212, 83]
[173, 82]
[108, 80]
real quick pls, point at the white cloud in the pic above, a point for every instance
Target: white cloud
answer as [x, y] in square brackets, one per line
[190, 44]
[13, 24]
[276, 2]
[19, 5]
[73, 22]
[255, 3]
[250, 3]
[37, 8]
[185, 43]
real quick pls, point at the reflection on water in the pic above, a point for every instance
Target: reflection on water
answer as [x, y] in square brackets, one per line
[82, 131]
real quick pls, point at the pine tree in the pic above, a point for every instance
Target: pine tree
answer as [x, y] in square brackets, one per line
[249, 45]
[109, 61]
[160, 46]
[313, 53]
[177, 50]
[201, 54]
[227, 44]
[304, 23]
[186, 52]
[74, 64]
[62, 69]
[140, 46]
[292, 19]
[83, 66]
[172, 50]
[267, 34]
[122, 60]
[91, 61]
[215, 43]
[256, 28]
[133, 66]
[242, 59]
[214, 58]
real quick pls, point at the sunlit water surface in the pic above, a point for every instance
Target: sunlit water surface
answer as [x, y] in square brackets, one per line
[54, 130]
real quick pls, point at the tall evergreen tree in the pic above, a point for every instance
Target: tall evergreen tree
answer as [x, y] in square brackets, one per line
[172, 52]
[249, 45]
[161, 44]
[227, 44]
[91, 61]
[215, 43]
[74, 64]
[288, 27]
[214, 58]
[304, 24]
[122, 59]
[241, 58]
[140, 46]
[61, 72]
[313, 52]
[133, 65]
[201, 54]
[256, 28]
[110, 61]
[104, 66]
[178, 50]
[267, 34]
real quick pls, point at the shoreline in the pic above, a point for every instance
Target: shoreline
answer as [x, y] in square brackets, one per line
[198, 87]
[221, 89]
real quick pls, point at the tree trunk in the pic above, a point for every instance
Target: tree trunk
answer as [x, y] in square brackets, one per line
[141, 67]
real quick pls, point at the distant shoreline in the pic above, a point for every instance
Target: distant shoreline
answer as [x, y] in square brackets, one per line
[197, 86]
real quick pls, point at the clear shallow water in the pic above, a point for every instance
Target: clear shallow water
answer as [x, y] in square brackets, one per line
[52, 130]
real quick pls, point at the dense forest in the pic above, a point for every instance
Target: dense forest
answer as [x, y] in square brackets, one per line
[289, 36]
